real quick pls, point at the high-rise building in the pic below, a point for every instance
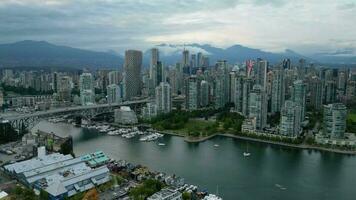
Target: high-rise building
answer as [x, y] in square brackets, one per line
[153, 66]
[222, 83]
[86, 82]
[205, 61]
[258, 107]
[149, 111]
[247, 87]
[114, 77]
[330, 92]
[278, 91]
[193, 62]
[199, 59]
[191, 96]
[238, 93]
[261, 73]
[64, 88]
[290, 119]
[154, 57]
[132, 71]
[334, 120]
[163, 98]
[86, 85]
[286, 64]
[185, 62]
[298, 96]
[1, 100]
[204, 94]
[316, 93]
[55, 82]
[114, 94]
[185, 59]
[301, 69]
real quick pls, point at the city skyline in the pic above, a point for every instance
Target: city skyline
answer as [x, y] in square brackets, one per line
[308, 27]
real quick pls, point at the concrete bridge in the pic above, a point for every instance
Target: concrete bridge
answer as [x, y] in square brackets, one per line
[20, 121]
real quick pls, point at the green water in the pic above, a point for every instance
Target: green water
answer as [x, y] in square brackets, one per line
[271, 172]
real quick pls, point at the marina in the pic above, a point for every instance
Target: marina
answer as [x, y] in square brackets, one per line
[207, 166]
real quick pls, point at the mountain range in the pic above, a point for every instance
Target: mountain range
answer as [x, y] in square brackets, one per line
[30, 53]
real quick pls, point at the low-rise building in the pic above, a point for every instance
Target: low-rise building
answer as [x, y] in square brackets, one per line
[166, 194]
[125, 115]
[60, 175]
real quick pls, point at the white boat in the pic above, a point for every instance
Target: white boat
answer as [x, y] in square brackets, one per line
[246, 154]
[161, 144]
[216, 145]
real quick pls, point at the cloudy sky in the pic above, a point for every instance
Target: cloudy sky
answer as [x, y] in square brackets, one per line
[306, 26]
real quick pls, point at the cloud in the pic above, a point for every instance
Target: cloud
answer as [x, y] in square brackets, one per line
[307, 26]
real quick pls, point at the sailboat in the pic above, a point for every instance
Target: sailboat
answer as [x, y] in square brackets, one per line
[246, 153]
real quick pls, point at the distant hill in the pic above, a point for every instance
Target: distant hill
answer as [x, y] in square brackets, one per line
[30, 53]
[170, 54]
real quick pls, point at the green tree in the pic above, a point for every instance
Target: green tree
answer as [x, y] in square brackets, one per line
[186, 196]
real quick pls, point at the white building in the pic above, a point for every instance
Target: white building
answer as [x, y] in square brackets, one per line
[149, 111]
[163, 98]
[166, 194]
[61, 175]
[125, 115]
[86, 85]
[290, 119]
[114, 94]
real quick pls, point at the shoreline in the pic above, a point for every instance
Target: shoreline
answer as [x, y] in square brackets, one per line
[297, 146]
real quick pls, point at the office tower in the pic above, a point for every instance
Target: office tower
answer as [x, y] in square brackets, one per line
[55, 82]
[86, 82]
[186, 63]
[154, 57]
[191, 96]
[153, 66]
[247, 87]
[86, 85]
[261, 73]
[64, 88]
[290, 119]
[222, 83]
[199, 59]
[316, 93]
[163, 98]
[258, 107]
[341, 83]
[7, 75]
[334, 120]
[298, 96]
[278, 90]
[205, 61]
[193, 62]
[160, 75]
[301, 69]
[286, 64]
[330, 92]
[113, 94]
[351, 89]
[238, 93]
[204, 94]
[1, 100]
[132, 71]
[114, 77]
[185, 59]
